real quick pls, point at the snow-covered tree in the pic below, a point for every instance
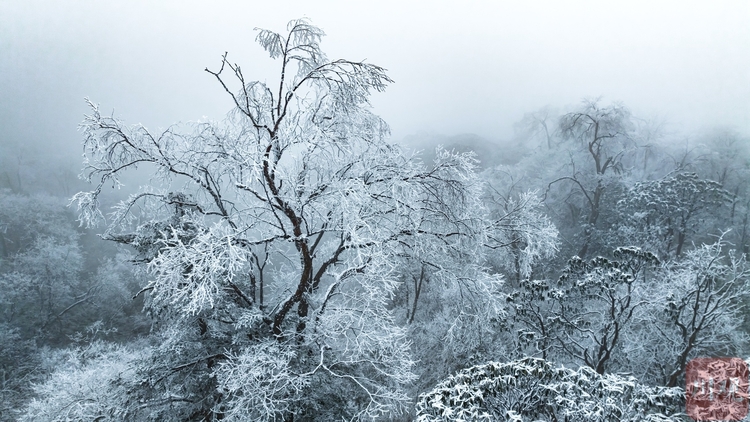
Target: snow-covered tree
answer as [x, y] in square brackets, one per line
[88, 383]
[701, 298]
[538, 128]
[273, 240]
[532, 389]
[582, 319]
[520, 233]
[600, 137]
[663, 215]
[455, 307]
[51, 290]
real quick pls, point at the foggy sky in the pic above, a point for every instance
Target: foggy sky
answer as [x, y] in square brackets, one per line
[459, 67]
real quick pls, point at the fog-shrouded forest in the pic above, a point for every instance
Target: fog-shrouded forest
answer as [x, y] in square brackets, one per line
[292, 261]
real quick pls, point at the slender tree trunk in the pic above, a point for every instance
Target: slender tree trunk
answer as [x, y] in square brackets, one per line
[680, 242]
[417, 290]
[591, 222]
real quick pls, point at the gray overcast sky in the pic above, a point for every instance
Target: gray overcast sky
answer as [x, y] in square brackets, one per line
[459, 67]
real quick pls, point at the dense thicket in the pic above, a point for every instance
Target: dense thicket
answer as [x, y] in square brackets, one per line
[58, 289]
